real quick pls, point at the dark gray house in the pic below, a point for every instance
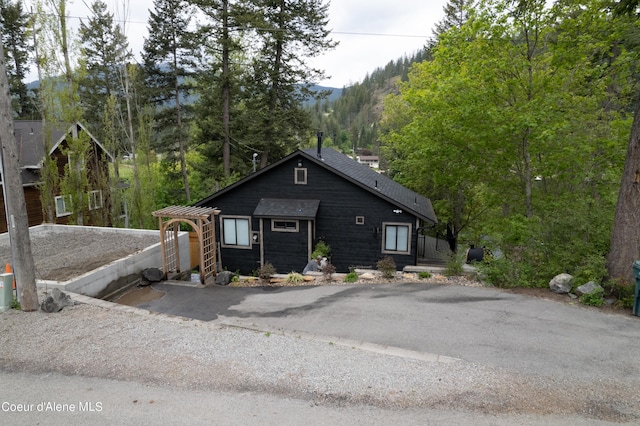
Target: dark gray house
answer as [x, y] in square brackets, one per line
[279, 213]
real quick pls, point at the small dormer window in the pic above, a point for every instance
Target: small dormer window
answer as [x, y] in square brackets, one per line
[300, 176]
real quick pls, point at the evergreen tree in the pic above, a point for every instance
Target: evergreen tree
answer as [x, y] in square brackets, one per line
[17, 47]
[286, 33]
[220, 80]
[169, 61]
[625, 238]
[456, 14]
[104, 53]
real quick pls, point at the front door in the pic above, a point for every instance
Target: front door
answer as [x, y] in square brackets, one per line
[286, 243]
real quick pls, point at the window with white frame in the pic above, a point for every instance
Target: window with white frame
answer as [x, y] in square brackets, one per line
[397, 238]
[236, 232]
[63, 205]
[300, 176]
[95, 200]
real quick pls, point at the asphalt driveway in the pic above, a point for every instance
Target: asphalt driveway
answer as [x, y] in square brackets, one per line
[482, 325]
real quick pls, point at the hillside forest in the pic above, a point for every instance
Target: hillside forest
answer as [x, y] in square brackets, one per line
[516, 119]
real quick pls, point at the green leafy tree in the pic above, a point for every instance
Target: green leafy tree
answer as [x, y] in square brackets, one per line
[510, 120]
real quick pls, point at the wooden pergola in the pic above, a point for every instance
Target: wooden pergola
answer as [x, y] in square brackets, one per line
[202, 221]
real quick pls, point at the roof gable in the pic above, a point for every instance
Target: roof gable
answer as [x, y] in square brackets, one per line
[356, 173]
[29, 136]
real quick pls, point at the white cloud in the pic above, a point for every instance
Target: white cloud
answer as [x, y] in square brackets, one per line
[370, 32]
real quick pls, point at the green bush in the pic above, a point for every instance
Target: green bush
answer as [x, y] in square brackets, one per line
[294, 278]
[387, 266]
[593, 268]
[321, 249]
[351, 277]
[621, 290]
[15, 304]
[453, 266]
[424, 275]
[505, 273]
[593, 299]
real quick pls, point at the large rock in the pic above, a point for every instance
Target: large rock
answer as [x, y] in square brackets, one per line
[589, 288]
[367, 276]
[55, 301]
[561, 283]
[152, 275]
[224, 277]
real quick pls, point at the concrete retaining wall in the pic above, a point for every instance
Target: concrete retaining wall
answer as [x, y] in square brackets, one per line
[109, 278]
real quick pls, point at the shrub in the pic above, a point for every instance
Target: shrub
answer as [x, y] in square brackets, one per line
[504, 272]
[453, 266]
[621, 290]
[592, 268]
[294, 278]
[351, 277]
[593, 299]
[424, 275]
[328, 270]
[387, 266]
[266, 271]
[15, 304]
[322, 250]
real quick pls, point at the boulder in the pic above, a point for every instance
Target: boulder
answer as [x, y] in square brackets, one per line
[367, 276]
[589, 288]
[224, 277]
[152, 275]
[55, 301]
[561, 283]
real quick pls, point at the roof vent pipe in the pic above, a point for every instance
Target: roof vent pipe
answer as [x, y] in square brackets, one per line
[319, 134]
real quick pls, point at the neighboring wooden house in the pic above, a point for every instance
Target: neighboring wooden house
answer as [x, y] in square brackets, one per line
[30, 148]
[279, 213]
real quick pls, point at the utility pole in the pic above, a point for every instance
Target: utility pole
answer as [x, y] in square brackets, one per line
[16, 210]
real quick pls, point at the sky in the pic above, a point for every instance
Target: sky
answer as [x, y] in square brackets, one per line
[370, 32]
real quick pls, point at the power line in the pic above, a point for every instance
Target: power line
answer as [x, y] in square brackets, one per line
[355, 33]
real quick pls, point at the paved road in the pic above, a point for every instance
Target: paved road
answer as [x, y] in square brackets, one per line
[54, 399]
[482, 325]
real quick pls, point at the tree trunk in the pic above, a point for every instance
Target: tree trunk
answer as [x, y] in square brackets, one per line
[16, 210]
[625, 239]
[226, 90]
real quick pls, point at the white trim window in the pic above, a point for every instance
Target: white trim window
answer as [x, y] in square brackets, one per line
[95, 199]
[396, 238]
[300, 176]
[236, 231]
[64, 205]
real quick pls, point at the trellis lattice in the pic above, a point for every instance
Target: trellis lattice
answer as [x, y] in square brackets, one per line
[202, 221]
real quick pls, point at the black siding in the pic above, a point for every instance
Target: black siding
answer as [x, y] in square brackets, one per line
[340, 202]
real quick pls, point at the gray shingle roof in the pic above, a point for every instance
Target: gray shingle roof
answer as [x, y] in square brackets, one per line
[29, 139]
[356, 173]
[286, 208]
[374, 182]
